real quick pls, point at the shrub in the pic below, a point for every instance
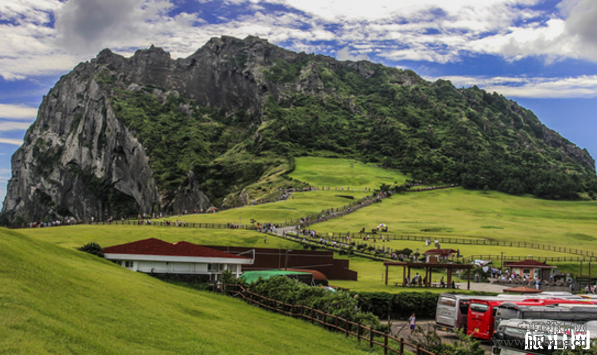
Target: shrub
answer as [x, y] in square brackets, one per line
[92, 248]
[340, 303]
[427, 338]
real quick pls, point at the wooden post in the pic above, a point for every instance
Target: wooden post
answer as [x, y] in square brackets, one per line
[359, 332]
[449, 277]
[418, 350]
[430, 276]
[302, 310]
[370, 337]
[403, 276]
[385, 343]
[401, 346]
[336, 323]
[468, 282]
[346, 327]
[386, 275]
[312, 315]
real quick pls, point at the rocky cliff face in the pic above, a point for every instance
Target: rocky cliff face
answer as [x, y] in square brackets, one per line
[120, 136]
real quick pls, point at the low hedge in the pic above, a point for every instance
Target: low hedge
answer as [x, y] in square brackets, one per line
[402, 305]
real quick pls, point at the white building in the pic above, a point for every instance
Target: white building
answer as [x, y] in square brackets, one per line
[154, 256]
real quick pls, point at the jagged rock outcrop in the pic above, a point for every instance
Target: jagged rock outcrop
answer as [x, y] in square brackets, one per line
[78, 160]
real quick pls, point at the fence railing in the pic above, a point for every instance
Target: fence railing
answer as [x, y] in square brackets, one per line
[530, 257]
[377, 237]
[330, 322]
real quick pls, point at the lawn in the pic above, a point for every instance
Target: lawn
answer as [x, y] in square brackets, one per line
[347, 173]
[301, 204]
[55, 300]
[459, 213]
[76, 236]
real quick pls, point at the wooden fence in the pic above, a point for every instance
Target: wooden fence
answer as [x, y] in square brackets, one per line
[377, 237]
[500, 258]
[389, 343]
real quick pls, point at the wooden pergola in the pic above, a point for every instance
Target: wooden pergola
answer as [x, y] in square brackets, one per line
[428, 270]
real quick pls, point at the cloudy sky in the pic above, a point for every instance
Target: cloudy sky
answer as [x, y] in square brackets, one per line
[541, 53]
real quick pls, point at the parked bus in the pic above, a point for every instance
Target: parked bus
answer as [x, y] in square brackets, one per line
[526, 310]
[542, 295]
[510, 337]
[482, 313]
[452, 311]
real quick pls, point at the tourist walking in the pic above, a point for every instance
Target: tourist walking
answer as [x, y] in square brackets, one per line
[412, 321]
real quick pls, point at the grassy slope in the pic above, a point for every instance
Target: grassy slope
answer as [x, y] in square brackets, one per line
[339, 173]
[61, 301]
[464, 213]
[76, 236]
[303, 204]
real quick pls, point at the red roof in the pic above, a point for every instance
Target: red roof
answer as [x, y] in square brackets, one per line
[525, 263]
[521, 289]
[440, 252]
[155, 246]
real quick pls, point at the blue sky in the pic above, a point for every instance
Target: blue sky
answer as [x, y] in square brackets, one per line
[540, 53]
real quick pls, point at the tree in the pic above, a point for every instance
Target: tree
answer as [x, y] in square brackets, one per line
[93, 249]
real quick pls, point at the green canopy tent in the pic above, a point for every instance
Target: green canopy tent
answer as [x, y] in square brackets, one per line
[251, 276]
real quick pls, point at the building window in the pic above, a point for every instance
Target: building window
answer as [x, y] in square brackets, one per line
[128, 264]
[215, 267]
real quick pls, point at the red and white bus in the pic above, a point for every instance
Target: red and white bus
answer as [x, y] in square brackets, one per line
[481, 320]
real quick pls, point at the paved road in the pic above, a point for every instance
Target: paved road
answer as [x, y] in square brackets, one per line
[400, 329]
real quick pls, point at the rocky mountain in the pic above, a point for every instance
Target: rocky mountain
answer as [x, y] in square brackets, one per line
[121, 136]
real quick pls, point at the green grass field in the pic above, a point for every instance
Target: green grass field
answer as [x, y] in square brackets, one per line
[76, 236]
[301, 205]
[55, 300]
[460, 213]
[337, 173]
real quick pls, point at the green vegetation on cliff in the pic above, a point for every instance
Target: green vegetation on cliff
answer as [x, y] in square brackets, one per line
[430, 130]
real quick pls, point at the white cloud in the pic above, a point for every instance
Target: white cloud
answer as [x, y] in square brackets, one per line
[11, 141]
[13, 126]
[419, 30]
[577, 87]
[19, 112]
[345, 54]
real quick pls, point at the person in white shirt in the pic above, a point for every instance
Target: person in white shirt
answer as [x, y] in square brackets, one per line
[412, 320]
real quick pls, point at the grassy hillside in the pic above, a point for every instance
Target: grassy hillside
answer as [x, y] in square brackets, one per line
[338, 173]
[301, 204]
[76, 236]
[464, 213]
[54, 300]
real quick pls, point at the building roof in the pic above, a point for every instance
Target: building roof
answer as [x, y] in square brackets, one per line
[153, 246]
[528, 263]
[317, 275]
[440, 252]
[521, 289]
